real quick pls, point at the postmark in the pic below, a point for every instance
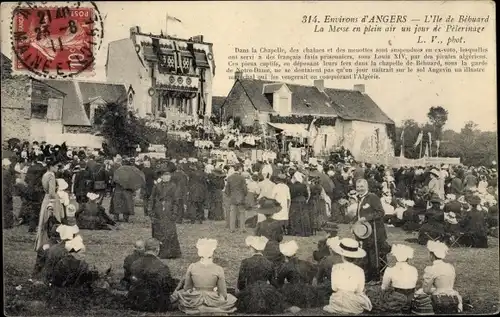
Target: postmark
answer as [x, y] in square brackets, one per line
[56, 40]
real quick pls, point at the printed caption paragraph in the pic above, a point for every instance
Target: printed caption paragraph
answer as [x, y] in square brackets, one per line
[440, 46]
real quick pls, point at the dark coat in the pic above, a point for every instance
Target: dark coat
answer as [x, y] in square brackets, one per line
[456, 186]
[182, 182]
[150, 177]
[198, 186]
[236, 189]
[370, 207]
[254, 269]
[127, 266]
[152, 284]
[324, 273]
[33, 181]
[273, 231]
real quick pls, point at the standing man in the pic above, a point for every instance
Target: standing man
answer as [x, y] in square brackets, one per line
[36, 193]
[180, 178]
[198, 190]
[236, 190]
[370, 210]
[146, 191]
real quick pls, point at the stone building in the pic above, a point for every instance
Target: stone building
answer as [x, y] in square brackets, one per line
[343, 117]
[172, 77]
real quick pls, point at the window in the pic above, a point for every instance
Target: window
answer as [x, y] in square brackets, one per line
[39, 111]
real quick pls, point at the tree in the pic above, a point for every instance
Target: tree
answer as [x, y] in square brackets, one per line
[437, 117]
[121, 128]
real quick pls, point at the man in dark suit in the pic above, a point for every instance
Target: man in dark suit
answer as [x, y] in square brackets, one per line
[236, 189]
[147, 189]
[198, 190]
[33, 181]
[370, 209]
[180, 178]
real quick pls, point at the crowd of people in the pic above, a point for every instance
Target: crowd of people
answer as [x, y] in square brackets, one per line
[448, 206]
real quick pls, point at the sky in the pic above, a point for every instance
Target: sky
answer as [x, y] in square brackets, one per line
[466, 96]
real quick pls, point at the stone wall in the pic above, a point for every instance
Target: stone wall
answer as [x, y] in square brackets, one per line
[16, 107]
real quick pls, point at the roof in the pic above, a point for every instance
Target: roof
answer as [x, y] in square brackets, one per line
[305, 99]
[308, 100]
[354, 105]
[4, 58]
[78, 93]
[218, 100]
[122, 52]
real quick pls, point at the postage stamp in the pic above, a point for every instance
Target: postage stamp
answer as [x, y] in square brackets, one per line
[56, 41]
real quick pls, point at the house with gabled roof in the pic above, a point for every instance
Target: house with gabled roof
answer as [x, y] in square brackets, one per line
[324, 118]
[57, 111]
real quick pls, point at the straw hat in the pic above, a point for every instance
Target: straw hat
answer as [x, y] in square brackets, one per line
[75, 244]
[61, 184]
[289, 248]
[402, 252]
[258, 243]
[439, 249]
[92, 196]
[346, 247]
[206, 247]
[362, 229]
[268, 206]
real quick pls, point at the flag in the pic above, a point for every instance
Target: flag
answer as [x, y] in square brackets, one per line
[426, 153]
[437, 144]
[171, 18]
[173, 22]
[402, 134]
[419, 139]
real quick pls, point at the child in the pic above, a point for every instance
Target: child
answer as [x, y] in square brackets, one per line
[62, 193]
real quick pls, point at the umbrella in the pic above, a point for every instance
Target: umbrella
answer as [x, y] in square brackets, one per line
[129, 177]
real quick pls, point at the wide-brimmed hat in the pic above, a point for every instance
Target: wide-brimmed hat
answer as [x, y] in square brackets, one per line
[435, 172]
[330, 227]
[289, 248]
[268, 206]
[362, 229]
[258, 243]
[346, 247]
[439, 249]
[402, 252]
[61, 184]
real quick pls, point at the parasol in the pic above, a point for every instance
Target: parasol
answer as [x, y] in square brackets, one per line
[129, 177]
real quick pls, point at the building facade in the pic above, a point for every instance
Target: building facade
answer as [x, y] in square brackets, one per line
[326, 118]
[172, 77]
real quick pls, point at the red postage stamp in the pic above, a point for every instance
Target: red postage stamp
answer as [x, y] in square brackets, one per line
[56, 41]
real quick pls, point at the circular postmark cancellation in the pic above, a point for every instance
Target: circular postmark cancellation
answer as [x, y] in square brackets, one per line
[56, 41]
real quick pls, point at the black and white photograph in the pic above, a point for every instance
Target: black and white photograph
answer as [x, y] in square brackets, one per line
[215, 158]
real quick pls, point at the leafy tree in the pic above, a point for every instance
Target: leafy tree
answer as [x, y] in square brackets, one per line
[437, 117]
[121, 128]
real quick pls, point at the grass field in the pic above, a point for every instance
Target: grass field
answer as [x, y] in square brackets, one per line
[477, 269]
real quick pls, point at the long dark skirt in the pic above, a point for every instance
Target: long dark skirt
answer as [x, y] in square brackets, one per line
[318, 215]
[261, 298]
[216, 211]
[122, 202]
[301, 295]
[300, 219]
[165, 230]
[149, 296]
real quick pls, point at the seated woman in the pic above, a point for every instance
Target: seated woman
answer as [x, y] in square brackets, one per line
[433, 226]
[139, 249]
[475, 231]
[298, 274]
[92, 216]
[348, 279]
[438, 282]
[255, 290]
[72, 270]
[271, 229]
[323, 250]
[398, 284]
[151, 282]
[205, 289]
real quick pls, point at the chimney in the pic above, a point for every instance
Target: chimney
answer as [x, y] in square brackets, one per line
[360, 88]
[319, 84]
[133, 32]
[238, 75]
[197, 38]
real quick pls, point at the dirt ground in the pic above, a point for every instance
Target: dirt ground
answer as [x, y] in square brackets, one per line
[477, 269]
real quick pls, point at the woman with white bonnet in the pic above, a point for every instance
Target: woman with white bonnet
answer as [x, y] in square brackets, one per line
[348, 279]
[439, 281]
[299, 217]
[398, 283]
[205, 289]
[255, 290]
[298, 275]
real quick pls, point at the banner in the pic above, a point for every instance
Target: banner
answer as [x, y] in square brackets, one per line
[419, 139]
